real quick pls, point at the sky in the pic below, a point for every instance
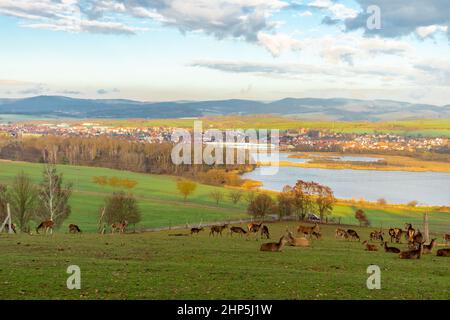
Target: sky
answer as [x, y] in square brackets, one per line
[171, 50]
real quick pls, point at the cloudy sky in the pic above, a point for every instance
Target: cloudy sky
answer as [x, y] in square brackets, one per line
[157, 50]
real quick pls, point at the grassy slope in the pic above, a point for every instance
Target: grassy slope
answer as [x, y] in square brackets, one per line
[156, 266]
[159, 200]
[161, 204]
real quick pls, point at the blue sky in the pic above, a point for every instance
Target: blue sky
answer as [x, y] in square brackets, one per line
[157, 50]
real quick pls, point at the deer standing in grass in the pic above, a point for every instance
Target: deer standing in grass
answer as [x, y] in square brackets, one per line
[196, 230]
[119, 226]
[46, 225]
[217, 229]
[237, 230]
[274, 246]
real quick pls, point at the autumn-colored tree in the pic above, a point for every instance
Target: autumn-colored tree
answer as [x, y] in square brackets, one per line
[324, 200]
[285, 204]
[382, 202]
[260, 206]
[186, 187]
[412, 203]
[121, 206]
[360, 215]
[303, 200]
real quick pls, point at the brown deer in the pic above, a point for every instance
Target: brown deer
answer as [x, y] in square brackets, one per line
[390, 249]
[196, 230]
[218, 229]
[318, 235]
[341, 233]
[370, 247]
[238, 230]
[13, 228]
[353, 234]
[46, 225]
[274, 246]
[428, 248]
[376, 235]
[265, 232]
[119, 226]
[443, 252]
[308, 230]
[254, 227]
[297, 242]
[412, 254]
[446, 237]
[410, 232]
[396, 233]
[73, 228]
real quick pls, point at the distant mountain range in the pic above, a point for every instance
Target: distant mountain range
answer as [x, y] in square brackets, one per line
[305, 108]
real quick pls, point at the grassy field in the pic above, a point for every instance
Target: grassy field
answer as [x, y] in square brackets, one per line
[163, 206]
[157, 266]
[425, 127]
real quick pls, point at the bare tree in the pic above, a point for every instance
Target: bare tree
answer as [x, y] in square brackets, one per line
[23, 197]
[53, 196]
[217, 196]
[235, 196]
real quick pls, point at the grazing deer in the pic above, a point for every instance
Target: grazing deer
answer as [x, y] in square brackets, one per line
[254, 227]
[396, 233]
[390, 249]
[412, 254]
[417, 238]
[238, 230]
[446, 237]
[341, 233]
[376, 235]
[274, 246]
[217, 229]
[196, 230]
[119, 226]
[353, 234]
[370, 247]
[73, 228]
[46, 225]
[308, 230]
[318, 235]
[297, 242]
[443, 253]
[265, 232]
[428, 248]
[13, 228]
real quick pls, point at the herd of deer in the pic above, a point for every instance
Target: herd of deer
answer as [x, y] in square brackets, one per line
[415, 238]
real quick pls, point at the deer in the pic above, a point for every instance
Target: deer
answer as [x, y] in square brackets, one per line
[318, 235]
[297, 242]
[428, 248]
[308, 230]
[443, 252]
[274, 246]
[446, 237]
[196, 230]
[341, 233]
[412, 254]
[390, 249]
[254, 227]
[396, 233]
[217, 229]
[73, 228]
[265, 232]
[410, 232]
[119, 226]
[46, 225]
[370, 247]
[376, 235]
[353, 234]
[238, 230]
[13, 228]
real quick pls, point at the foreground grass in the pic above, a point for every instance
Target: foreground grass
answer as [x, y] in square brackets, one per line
[158, 266]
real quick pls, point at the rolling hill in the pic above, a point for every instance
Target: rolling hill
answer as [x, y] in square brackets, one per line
[305, 108]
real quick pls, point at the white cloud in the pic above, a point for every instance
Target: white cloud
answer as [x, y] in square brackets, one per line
[305, 14]
[278, 43]
[429, 31]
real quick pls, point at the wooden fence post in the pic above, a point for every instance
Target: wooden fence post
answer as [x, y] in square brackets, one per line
[426, 228]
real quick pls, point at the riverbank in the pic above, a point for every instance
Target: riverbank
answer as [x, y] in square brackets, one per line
[325, 160]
